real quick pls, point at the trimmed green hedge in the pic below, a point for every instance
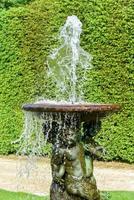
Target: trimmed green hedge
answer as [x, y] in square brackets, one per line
[28, 34]
[6, 4]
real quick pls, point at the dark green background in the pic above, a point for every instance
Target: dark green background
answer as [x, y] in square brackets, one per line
[28, 31]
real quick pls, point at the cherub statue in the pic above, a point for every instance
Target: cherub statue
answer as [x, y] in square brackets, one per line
[72, 164]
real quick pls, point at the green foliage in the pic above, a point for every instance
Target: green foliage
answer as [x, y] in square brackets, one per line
[28, 34]
[6, 4]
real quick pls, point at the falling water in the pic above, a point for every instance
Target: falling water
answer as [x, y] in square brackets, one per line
[68, 63]
[67, 66]
[39, 129]
[32, 139]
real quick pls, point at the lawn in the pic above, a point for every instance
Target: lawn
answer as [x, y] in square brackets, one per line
[122, 195]
[6, 195]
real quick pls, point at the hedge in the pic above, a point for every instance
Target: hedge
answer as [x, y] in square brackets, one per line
[28, 34]
[6, 4]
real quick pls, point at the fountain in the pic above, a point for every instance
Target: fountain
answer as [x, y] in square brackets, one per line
[71, 126]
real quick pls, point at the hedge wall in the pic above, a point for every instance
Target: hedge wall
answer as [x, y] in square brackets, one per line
[28, 34]
[6, 4]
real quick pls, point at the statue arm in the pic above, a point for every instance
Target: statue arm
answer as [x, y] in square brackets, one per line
[94, 149]
[58, 167]
[89, 166]
[58, 171]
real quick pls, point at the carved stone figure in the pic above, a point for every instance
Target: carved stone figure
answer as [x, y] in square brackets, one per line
[72, 161]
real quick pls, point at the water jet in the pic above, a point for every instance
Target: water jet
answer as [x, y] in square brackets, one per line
[71, 126]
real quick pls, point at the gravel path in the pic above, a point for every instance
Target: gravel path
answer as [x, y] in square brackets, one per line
[20, 175]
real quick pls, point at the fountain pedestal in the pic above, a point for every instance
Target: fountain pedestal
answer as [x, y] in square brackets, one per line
[71, 131]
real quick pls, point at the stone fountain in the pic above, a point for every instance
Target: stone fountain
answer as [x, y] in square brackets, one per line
[73, 127]
[70, 127]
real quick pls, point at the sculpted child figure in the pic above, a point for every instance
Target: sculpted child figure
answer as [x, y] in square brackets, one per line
[72, 166]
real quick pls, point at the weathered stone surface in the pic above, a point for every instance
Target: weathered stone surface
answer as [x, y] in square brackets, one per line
[72, 161]
[46, 107]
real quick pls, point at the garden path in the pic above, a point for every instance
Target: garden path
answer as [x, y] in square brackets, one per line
[20, 175]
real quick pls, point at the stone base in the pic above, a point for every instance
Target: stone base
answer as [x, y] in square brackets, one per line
[58, 193]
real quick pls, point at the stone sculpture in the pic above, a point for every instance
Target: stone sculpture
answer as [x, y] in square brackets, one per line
[71, 129]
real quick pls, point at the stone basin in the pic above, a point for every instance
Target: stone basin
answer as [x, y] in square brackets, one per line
[85, 110]
[77, 107]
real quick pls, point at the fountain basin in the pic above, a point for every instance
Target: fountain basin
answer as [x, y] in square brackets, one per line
[68, 107]
[85, 110]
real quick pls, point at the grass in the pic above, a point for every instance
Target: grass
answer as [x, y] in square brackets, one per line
[6, 195]
[122, 195]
